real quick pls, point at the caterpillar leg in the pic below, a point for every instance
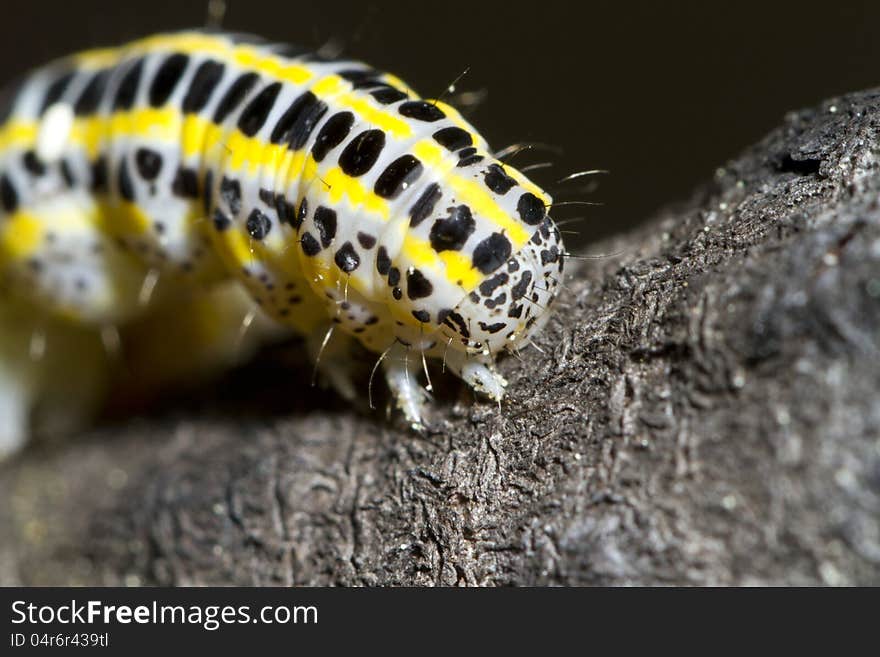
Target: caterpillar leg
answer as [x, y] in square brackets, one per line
[52, 375]
[15, 403]
[478, 372]
[18, 376]
[403, 367]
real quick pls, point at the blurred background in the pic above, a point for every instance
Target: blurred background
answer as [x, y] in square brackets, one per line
[660, 94]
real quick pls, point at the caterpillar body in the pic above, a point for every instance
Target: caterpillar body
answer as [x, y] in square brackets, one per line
[348, 208]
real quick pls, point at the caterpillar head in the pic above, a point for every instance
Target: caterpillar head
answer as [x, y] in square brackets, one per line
[479, 270]
[512, 304]
[467, 267]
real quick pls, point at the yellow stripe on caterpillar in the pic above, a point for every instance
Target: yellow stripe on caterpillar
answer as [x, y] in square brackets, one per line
[20, 236]
[470, 192]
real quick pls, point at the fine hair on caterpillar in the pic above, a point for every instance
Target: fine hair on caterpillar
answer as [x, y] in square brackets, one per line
[144, 180]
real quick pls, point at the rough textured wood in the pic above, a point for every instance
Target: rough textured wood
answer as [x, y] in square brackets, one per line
[707, 412]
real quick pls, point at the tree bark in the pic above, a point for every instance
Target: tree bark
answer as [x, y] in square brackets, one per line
[706, 410]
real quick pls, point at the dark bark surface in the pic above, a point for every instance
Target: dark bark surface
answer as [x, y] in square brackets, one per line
[707, 411]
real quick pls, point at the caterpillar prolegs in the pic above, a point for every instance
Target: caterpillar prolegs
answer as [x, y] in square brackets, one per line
[348, 208]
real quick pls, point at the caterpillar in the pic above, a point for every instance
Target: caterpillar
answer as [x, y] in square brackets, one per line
[348, 208]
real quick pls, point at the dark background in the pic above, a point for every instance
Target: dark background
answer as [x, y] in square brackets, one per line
[660, 94]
